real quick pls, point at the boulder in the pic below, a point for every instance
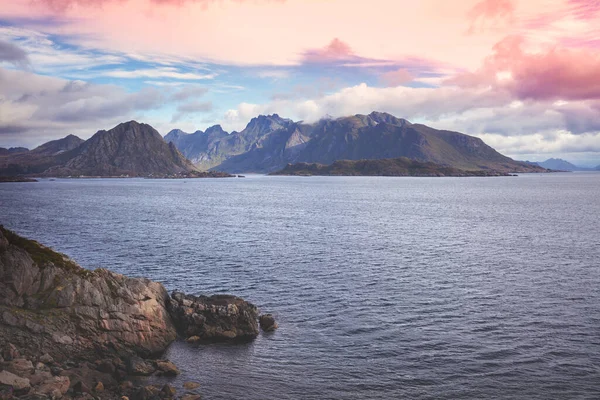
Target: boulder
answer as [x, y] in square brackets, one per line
[166, 368]
[191, 385]
[267, 323]
[140, 367]
[9, 350]
[19, 366]
[167, 392]
[46, 359]
[99, 387]
[16, 382]
[80, 387]
[54, 387]
[213, 318]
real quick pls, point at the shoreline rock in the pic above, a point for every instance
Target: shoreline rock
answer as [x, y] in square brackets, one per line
[68, 332]
[213, 318]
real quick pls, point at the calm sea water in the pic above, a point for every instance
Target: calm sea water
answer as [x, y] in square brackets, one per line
[384, 288]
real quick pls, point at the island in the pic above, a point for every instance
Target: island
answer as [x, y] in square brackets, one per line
[4, 179]
[401, 166]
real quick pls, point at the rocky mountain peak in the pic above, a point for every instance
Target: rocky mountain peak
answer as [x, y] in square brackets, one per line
[175, 134]
[215, 129]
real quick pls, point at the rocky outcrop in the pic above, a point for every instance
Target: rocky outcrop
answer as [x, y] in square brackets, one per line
[71, 333]
[267, 323]
[219, 317]
[51, 305]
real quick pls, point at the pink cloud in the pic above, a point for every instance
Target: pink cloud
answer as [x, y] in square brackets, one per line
[489, 13]
[584, 9]
[336, 50]
[557, 73]
[61, 5]
[397, 77]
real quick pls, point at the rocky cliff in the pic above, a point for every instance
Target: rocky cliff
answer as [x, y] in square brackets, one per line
[51, 305]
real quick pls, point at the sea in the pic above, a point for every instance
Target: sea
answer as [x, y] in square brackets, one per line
[383, 288]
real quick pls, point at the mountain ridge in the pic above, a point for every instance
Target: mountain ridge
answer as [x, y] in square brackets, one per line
[269, 142]
[130, 148]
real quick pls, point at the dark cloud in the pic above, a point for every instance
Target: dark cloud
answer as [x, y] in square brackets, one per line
[193, 107]
[13, 54]
[189, 92]
[12, 129]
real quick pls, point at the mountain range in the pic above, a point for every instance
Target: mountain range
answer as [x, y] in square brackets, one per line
[269, 143]
[130, 148]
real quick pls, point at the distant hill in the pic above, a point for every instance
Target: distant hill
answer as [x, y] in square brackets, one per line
[560, 165]
[270, 142]
[384, 167]
[40, 159]
[12, 150]
[130, 148]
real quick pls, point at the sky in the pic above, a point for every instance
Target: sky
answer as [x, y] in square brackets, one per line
[523, 75]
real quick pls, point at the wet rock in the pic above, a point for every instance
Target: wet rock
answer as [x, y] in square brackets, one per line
[191, 385]
[166, 368]
[16, 382]
[54, 387]
[267, 323]
[168, 392]
[138, 366]
[214, 318]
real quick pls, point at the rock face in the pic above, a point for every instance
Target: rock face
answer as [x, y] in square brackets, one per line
[270, 142]
[219, 317]
[51, 305]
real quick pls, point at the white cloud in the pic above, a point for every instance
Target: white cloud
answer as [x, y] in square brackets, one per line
[525, 127]
[35, 108]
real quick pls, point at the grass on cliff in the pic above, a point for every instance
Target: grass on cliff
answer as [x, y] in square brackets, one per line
[42, 255]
